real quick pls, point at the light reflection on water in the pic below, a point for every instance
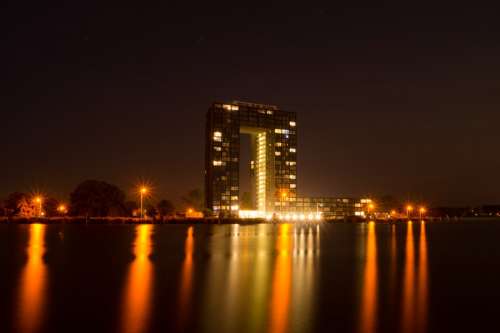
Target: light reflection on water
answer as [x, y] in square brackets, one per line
[415, 283]
[33, 282]
[368, 310]
[255, 278]
[267, 276]
[138, 287]
[186, 282]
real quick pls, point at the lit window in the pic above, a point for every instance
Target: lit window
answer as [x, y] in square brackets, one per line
[292, 177]
[292, 123]
[217, 163]
[277, 153]
[277, 130]
[285, 131]
[234, 197]
[217, 136]
[292, 150]
[217, 148]
[235, 107]
[278, 144]
[293, 185]
[269, 112]
[235, 207]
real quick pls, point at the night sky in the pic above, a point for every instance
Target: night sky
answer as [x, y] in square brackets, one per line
[390, 100]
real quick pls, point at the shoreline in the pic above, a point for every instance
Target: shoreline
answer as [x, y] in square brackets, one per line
[214, 221]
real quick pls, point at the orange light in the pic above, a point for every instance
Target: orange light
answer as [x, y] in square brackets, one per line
[190, 211]
[422, 210]
[38, 199]
[409, 208]
[371, 206]
[144, 190]
[393, 212]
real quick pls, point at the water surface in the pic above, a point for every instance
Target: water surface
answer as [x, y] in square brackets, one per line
[409, 277]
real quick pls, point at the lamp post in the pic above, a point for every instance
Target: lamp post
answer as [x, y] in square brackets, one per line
[371, 207]
[143, 191]
[39, 201]
[62, 209]
[422, 211]
[409, 208]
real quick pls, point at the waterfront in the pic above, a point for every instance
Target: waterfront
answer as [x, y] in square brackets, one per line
[363, 277]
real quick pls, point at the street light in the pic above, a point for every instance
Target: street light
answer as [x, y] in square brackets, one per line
[39, 200]
[409, 208]
[62, 209]
[422, 211]
[143, 191]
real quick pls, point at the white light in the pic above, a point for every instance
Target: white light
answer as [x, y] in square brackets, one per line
[292, 123]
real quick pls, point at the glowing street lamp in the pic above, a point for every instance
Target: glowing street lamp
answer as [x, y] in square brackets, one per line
[143, 191]
[62, 209]
[38, 200]
[422, 211]
[409, 208]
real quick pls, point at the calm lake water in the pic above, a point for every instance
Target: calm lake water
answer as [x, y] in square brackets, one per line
[410, 277]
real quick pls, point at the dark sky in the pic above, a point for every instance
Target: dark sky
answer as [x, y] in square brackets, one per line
[401, 100]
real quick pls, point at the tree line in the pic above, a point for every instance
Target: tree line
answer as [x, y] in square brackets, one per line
[95, 198]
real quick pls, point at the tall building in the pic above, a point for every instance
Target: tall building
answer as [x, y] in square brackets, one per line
[273, 165]
[273, 135]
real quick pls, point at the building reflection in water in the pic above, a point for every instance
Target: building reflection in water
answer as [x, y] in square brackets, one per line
[186, 278]
[368, 311]
[33, 282]
[138, 288]
[415, 287]
[280, 298]
[259, 279]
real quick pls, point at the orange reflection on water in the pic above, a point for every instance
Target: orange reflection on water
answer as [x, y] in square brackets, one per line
[33, 281]
[186, 277]
[370, 285]
[415, 287]
[422, 282]
[281, 284]
[137, 294]
[408, 302]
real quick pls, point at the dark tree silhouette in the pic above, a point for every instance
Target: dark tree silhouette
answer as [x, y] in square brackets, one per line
[97, 198]
[165, 208]
[130, 207]
[50, 207]
[151, 211]
[194, 199]
[12, 203]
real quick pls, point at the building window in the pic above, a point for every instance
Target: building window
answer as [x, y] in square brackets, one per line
[292, 150]
[218, 136]
[292, 123]
[277, 153]
[217, 163]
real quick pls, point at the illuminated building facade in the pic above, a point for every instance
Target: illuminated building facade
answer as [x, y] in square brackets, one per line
[273, 135]
[273, 166]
